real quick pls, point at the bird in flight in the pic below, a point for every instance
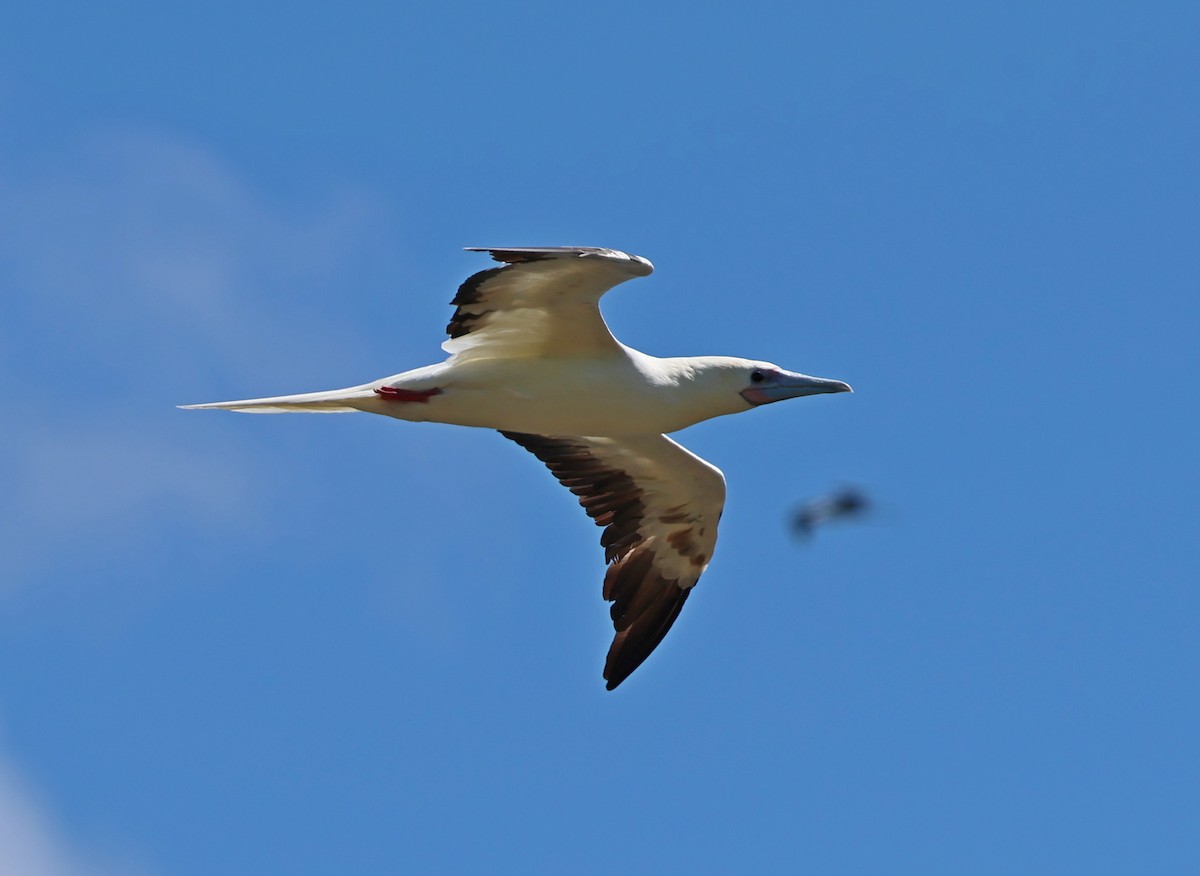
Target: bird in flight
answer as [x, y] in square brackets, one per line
[844, 504]
[531, 356]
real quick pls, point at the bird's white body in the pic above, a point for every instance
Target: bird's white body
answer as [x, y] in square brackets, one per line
[629, 393]
[531, 356]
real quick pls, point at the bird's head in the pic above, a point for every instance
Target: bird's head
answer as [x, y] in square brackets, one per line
[749, 382]
[764, 383]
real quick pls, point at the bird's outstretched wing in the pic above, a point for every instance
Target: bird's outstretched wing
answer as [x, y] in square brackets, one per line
[659, 505]
[543, 302]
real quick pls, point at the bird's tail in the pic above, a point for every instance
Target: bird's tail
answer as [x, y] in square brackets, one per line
[334, 401]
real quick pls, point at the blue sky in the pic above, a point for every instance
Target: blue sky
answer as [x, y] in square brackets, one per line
[345, 644]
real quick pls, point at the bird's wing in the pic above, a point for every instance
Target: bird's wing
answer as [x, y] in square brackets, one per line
[543, 302]
[659, 505]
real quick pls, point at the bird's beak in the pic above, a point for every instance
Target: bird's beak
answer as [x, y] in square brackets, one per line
[789, 384]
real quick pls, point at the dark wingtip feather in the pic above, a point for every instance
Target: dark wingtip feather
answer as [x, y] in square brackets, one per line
[632, 645]
[644, 603]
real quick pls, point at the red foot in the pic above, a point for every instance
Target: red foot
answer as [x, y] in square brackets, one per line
[392, 393]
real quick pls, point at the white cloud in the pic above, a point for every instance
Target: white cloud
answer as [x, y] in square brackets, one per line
[139, 245]
[32, 844]
[140, 272]
[29, 843]
[95, 486]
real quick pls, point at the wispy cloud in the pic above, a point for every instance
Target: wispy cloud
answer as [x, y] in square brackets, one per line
[137, 269]
[135, 245]
[140, 272]
[95, 487]
[33, 844]
[29, 842]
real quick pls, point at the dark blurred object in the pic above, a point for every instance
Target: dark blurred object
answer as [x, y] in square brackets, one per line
[845, 504]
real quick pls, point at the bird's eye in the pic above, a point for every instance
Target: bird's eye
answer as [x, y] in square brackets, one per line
[758, 375]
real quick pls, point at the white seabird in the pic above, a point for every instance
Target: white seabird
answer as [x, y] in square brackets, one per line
[531, 356]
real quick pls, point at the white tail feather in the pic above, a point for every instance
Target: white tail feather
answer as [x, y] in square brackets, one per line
[334, 401]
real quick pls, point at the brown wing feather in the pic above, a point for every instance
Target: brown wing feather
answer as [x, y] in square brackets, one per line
[644, 605]
[644, 602]
[469, 293]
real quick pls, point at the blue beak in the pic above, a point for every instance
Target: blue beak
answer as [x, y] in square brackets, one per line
[780, 385]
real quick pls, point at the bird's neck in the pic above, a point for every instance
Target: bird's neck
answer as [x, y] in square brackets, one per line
[684, 387]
